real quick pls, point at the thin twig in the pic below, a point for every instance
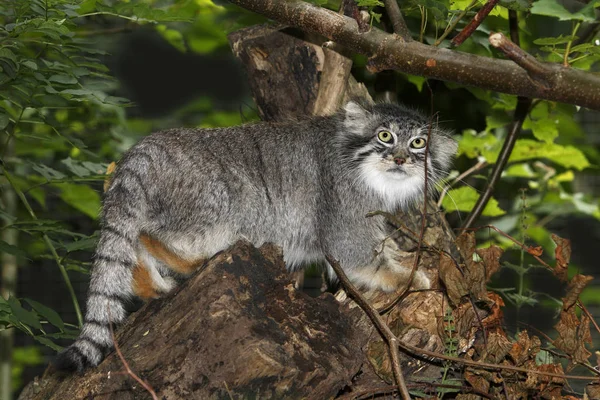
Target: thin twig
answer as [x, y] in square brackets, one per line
[537, 71]
[569, 44]
[513, 27]
[384, 330]
[395, 16]
[475, 22]
[473, 169]
[521, 112]
[129, 371]
[451, 27]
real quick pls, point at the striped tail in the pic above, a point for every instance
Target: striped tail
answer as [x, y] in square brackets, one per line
[111, 281]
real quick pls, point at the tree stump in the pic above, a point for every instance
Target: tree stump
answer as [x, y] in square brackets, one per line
[236, 329]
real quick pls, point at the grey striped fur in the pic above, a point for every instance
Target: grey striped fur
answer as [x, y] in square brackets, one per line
[304, 185]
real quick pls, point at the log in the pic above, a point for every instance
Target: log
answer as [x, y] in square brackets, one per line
[236, 329]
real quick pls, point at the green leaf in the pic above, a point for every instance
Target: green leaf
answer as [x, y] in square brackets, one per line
[553, 41]
[545, 129]
[30, 64]
[174, 37]
[566, 156]
[49, 314]
[81, 197]
[64, 79]
[22, 315]
[418, 81]
[474, 145]
[47, 342]
[82, 244]
[47, 172]
[75, 167]
[552, 8]
[11, 249]
[4, 119]
[464, 199]
[369, 3]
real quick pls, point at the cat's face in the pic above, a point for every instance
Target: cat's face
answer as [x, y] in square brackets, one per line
[387, 144]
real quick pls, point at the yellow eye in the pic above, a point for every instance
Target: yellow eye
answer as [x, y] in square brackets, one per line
[418, 143]
[385, 136]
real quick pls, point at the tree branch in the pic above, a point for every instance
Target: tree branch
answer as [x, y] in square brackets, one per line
[397, 20]
[569, 85]
[474, 23]
[384, 330]
[521, 112]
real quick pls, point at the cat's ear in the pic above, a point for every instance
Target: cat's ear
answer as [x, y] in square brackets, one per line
[445, 148]
[356, 116]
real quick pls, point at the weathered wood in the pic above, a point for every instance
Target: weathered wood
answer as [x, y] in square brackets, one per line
[237, 328]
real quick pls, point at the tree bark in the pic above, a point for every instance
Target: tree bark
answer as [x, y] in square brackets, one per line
[236, 329]
[390, 51]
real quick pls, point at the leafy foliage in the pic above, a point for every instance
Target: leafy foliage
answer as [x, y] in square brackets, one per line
[63, 120]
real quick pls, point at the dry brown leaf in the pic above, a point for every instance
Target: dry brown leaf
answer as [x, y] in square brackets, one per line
[535, 251]
[466, 245]
[525, 348]
[491, 260]
[452, 278]
[477, 381]
[573, 334]
[497, 347]
[576, 286]
[474, 272]
[496, 316]
[109, 170]
[593, 390]
[563, 256]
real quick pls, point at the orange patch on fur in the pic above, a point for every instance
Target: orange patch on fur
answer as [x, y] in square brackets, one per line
[142, 283]
[159, 251]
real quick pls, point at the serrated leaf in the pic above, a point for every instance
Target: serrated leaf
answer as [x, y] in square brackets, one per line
[464, 199]
[11, 249]
[30, 64]
[566, 156]
[545, 129]
[553, 41]
[47, 172]
[4, 119]
[75, 167]
[48, 342]
[552, 8]
[83, 244]
[81, 197]
[22, 315]
[49, 314]
[473, 144]
[64, 79]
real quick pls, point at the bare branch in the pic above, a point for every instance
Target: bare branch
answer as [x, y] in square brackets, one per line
[398, 23]
[537, 71]
[521, 112]
[475, 22]
[128, 369]
[570, 85]
[384, 330]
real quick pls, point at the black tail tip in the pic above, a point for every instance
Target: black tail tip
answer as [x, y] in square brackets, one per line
[71, 360]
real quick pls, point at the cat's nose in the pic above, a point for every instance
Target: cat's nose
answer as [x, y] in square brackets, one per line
[399, 160]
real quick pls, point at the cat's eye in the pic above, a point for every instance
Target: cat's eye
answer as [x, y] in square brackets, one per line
[385, 136]
[418, 143]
